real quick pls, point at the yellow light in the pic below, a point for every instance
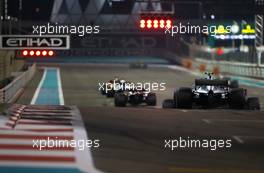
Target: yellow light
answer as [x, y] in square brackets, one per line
[248, 30]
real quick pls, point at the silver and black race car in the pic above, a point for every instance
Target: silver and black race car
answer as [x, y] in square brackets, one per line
[135, 97]
[210, 93]
[112, 86]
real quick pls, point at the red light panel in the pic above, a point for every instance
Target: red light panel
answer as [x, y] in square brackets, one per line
[156, 23]
[42, 53]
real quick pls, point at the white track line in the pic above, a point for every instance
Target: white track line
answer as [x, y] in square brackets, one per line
[34, 99]
[206, 121]
[238, 139]
[84, 157]
[179, 68]
[232, 120]
[60, 87]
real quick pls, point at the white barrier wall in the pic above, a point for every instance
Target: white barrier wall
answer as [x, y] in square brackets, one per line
[235, 68]
[8, 92]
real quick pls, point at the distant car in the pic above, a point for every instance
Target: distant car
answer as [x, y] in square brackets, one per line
[211, 92]
[138, 65]
[135, 97]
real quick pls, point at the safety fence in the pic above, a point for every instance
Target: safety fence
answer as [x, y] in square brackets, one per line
[225, 67]
[9, 92]
[229, 61]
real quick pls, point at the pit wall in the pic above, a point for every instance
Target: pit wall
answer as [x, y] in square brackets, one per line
[9, 93]
[9, 63]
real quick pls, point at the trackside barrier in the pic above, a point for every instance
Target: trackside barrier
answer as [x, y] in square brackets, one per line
[228, 67]
[8, 92]
[202, 68]
[187, 63]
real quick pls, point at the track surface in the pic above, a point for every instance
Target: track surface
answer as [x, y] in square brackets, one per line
[132, 139]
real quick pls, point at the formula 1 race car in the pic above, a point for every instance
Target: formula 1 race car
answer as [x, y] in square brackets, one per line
[138, 65]
[135, 97]
[112, 86]
[210, 93]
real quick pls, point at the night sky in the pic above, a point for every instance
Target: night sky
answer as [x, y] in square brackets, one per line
[31, 9]
[224, 9]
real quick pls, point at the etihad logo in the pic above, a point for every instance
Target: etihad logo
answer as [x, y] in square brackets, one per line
[34, 42]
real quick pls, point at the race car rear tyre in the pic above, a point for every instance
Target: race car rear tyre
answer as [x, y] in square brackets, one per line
[103, 91]
[237, 98]
[183, 98]
[120, 100]
[151, 99]
[253, 103]
[168, 103]
[110, 93]
[234, 84]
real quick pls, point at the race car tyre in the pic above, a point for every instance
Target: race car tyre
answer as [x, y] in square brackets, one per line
[120, 100]
[102, 91]
[183, 98]
[234, 84]
[237, 98]
[168, 103]
[138, 65]
[135, 99]
[110, 93]
[151, 99]
[253, 103]
[175, 96]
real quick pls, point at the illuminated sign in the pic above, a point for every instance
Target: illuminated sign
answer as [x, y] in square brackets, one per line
[233, 31]
[221, 29]
[34, 42]
[248, 30]
[234, 37]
